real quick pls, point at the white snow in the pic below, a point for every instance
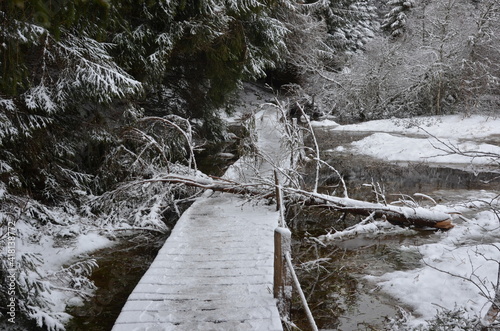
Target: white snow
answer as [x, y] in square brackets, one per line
[398, 148]
[459, 272]
[324, 123]
[428, 139]
[66, 245]
[446, 126]
[459, 268]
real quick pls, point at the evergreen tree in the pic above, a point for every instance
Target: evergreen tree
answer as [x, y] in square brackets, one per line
[56, 76]
[94, 94]
[198, 52]
[351, 23]
[395, 20]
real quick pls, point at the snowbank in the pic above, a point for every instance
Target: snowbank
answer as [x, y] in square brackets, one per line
[446, 126]
[398, 148]
[450, 139]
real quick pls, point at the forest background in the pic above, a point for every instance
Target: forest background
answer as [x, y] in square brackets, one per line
[96, 94]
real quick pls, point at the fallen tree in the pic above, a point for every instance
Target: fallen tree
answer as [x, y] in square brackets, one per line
[264, 187]
[401, 215]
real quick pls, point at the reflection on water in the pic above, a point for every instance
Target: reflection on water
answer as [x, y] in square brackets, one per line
[338, 296]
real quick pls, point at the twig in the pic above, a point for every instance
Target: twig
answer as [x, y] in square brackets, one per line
[316, 147]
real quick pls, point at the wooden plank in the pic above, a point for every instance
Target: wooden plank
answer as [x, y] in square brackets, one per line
[224, 270]
[188, 304]
[198, 315]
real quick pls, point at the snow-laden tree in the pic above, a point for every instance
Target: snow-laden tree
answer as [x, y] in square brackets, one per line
[97, 62]
[324, 35]
[395, 20]
[447, 62]
[480, 88]
[198, 52]
[351, 23]
[96, 96]
[444, 35]
[50, 86]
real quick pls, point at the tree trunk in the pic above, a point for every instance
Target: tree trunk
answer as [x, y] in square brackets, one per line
[400, 215]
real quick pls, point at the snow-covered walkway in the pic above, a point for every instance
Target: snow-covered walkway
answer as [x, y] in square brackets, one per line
[215, 271]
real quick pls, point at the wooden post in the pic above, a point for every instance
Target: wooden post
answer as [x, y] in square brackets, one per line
[282, 275]
[278, 191]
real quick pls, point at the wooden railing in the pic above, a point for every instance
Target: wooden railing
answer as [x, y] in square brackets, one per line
[284, 273]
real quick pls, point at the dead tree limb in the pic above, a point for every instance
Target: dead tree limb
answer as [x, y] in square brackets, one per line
[402, 215]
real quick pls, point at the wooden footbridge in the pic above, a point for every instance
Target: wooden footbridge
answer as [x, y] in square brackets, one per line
[216, 270]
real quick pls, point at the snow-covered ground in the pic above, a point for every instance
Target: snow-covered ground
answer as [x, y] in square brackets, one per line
[428, 139]
[459, 268]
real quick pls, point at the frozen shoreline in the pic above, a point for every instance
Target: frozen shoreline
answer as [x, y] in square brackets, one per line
[469, 143]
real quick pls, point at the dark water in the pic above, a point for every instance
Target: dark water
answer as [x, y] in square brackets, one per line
[395, 178]
[120, 269]
[215, 159]
[338, 296]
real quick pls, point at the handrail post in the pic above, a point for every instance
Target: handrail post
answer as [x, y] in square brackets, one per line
[279, 199]
[282, 274]
[278, 191]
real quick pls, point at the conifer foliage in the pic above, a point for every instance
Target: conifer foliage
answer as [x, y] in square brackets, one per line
[95, 96]
[395, 20]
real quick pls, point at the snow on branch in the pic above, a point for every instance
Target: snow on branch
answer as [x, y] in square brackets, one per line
[187, 132]
[7, 128]
[40, 97]
[90, 70]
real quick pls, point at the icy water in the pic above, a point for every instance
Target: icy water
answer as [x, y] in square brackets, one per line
[332, 274]
[120, 269]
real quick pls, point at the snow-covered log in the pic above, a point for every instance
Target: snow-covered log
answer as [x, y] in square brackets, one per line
[402, 215]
